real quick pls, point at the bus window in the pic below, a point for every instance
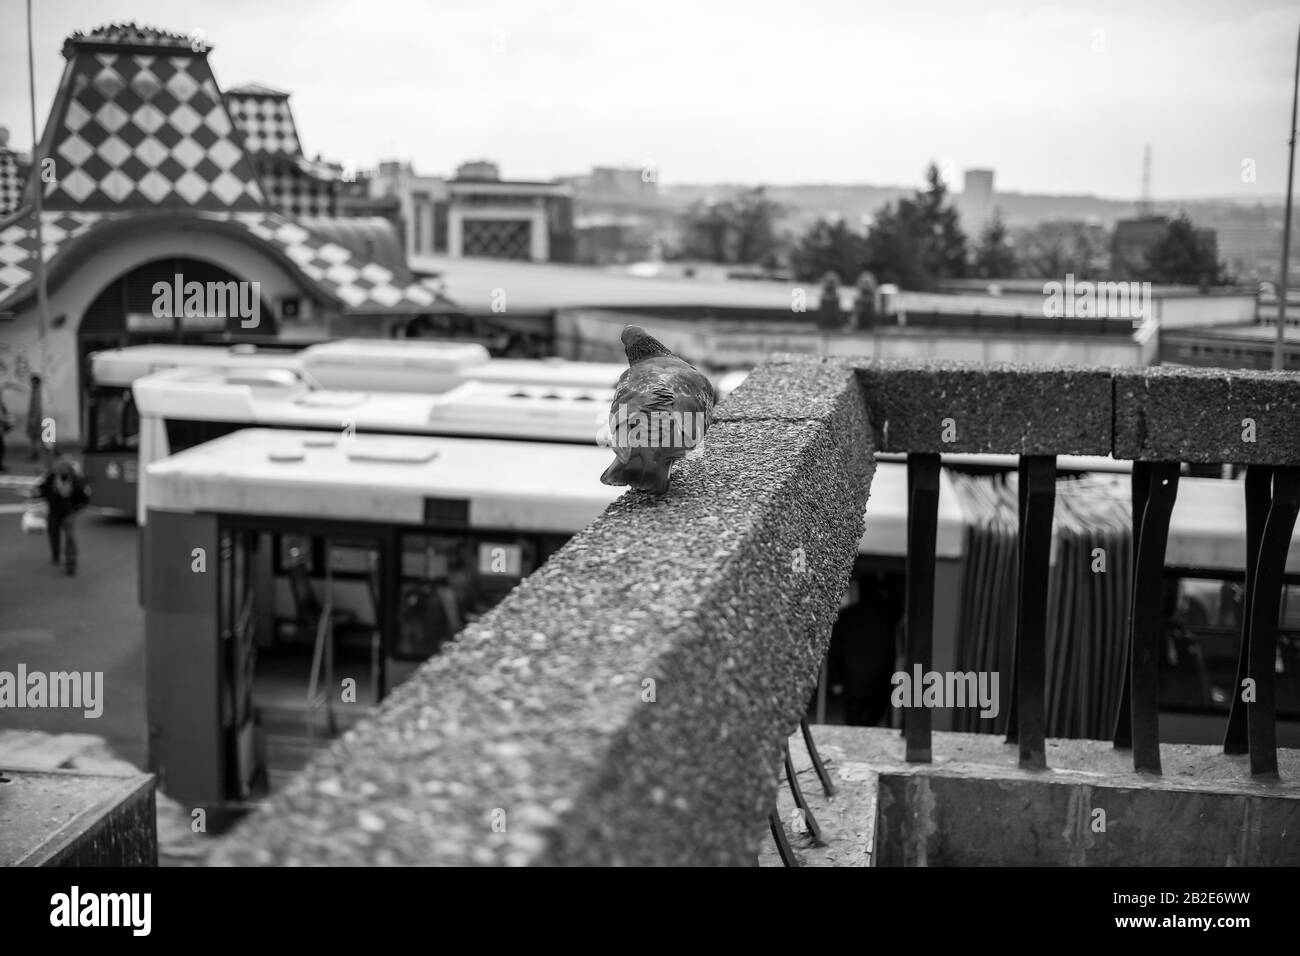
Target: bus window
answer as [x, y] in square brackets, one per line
[1203, 618]
[186, 434]
[433, 599]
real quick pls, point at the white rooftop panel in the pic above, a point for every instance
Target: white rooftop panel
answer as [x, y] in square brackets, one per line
[510, 485]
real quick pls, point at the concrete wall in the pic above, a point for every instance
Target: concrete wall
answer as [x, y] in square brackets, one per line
[592, 335]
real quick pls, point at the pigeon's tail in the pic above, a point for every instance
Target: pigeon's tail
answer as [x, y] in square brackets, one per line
[641, 473]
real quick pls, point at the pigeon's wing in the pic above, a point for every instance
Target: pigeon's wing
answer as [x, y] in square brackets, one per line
[642, 394]
[693, 392]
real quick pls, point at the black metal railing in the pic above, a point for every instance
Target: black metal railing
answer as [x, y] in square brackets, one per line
[1178, 399]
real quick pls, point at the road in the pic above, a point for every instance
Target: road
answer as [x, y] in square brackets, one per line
[90, 622]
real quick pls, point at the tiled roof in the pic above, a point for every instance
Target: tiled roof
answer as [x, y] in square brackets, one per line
[266, 121]
[139, 131]
[357, 283]
[144, 136]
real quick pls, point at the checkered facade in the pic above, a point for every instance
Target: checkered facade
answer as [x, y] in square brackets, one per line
[359, 285]
[294, 192]
[266, 122]
[12, 179]
[18, 244]
[146, 131]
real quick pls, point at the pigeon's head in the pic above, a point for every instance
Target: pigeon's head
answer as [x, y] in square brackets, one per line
[640, 344]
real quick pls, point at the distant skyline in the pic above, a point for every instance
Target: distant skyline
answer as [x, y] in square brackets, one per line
[1055, 98]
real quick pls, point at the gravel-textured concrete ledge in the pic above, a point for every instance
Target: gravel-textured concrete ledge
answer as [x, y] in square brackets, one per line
[1199, 415]
[722, 593]
[955, 407]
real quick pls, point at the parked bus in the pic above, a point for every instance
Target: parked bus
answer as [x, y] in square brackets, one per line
[329, 560]
[182, 408]
[111, 435]
[326, 561]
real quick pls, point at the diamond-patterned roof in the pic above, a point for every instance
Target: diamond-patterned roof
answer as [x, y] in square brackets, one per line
[137, 130]
[264, 117]
[356, 283]
[140, 131]
[12, 178]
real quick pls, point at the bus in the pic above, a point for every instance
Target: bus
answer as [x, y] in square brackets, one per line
[329, 560]
[181, 408]
[111, 436]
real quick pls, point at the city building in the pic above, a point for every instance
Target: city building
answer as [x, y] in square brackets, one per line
[1134, 239]
[477, 214]
[975, 204]
[159, 182]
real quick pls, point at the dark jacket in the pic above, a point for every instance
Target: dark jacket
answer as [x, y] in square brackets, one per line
[62, 505]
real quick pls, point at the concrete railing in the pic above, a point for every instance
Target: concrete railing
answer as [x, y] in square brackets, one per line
[631, 700]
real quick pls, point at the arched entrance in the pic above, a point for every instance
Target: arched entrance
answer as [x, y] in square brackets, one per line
[125, 312]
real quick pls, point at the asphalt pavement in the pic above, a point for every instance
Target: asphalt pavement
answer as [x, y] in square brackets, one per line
[90, 622]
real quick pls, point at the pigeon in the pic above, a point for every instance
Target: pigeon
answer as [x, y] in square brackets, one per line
[662, 407]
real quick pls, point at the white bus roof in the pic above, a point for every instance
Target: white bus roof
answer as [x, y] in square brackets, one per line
[385, 479]
[885, 527]
[432, 355]
[472, 409]
[123, 366]
[424, 365]
[1208, 527]
[411, 365]
[551, 371]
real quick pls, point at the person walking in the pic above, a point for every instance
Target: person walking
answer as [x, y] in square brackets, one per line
[35, 414]
[66, 492]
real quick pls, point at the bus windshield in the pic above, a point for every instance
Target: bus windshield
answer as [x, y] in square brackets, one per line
[114, 422]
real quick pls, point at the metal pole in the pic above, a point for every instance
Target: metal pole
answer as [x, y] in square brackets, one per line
[42, 303]
[1286, 227]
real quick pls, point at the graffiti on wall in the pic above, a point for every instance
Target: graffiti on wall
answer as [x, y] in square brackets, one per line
[15, 369]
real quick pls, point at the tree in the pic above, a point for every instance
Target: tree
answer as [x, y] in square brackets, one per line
[1059, 247]
[755, 227]
[738, 230]
[828, 247]
[1182, 257]
[916, 242]
[995, 258]
[706, 231]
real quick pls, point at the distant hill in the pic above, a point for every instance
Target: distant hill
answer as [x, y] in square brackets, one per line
[807, 202]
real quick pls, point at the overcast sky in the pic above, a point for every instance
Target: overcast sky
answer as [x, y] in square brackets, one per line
[1054, 97]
